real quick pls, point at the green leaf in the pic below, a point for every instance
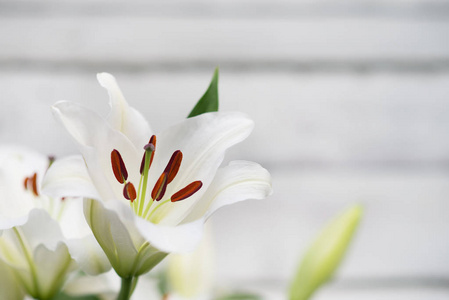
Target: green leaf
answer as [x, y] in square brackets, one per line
[209, 101]
[240, 296]
[325, 254]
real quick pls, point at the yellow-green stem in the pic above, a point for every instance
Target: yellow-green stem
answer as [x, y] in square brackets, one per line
[125, 290]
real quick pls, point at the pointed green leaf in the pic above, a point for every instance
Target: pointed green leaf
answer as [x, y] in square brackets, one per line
[325, 254]
[209, 101]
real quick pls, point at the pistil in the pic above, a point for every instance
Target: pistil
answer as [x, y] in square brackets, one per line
[150, 148]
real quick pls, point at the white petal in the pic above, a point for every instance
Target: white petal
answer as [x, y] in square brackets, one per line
[71, 219]
[89, 255]
[238, 181]
[68, 177]
[123, 117]
[41, 229]
[172, 239]
[96, 139]
[203, 141]
[52, 268]
[112, 235]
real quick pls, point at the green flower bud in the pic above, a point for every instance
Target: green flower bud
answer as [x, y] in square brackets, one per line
[325, 254]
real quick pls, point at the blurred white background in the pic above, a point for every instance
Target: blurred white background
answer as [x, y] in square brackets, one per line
[350, 100]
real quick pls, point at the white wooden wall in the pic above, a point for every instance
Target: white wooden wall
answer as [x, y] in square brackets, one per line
[350, 99]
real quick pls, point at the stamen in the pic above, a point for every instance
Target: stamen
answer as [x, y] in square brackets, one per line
[129, 191]
[186, 192]
[160, 187]
[173, 165]
[34, 184]
[118, 167]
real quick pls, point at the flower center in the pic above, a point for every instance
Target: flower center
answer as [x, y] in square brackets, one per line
[144, 207]
[55, 207]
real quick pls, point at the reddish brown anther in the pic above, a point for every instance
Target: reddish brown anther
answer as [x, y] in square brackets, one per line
[118, 167]
[186, 192]
[173, 165]
[153, 141]
[142, 164]
[25, 182]
[34, 184]
[129, 191]
[160, 187]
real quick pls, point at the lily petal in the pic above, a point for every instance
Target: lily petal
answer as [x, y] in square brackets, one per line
[203, 141]
[96, 139]
[51, 267]
[172, 239]
[42, 229]
[238, 181]
[68, 177]
[123, 117]
[89, 255]
[112, 235]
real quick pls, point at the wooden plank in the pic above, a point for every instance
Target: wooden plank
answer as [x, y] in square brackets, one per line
[139, 42]
[229, 9]
[378, 120]
[403, 236]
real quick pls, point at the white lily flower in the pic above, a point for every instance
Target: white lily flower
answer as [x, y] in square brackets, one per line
[157, 204]
[34, 228]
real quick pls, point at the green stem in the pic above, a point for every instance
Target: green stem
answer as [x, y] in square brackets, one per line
[125, 290]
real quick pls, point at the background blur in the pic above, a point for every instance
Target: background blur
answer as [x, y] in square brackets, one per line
[350, 100]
